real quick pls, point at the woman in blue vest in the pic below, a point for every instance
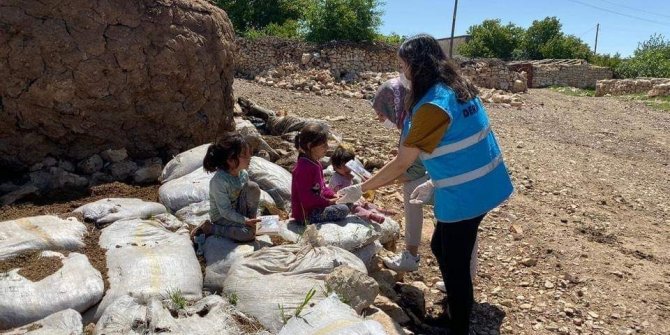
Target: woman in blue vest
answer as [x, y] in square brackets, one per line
[450, 131]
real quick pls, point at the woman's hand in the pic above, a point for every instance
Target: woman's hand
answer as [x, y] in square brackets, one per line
[422, 193]
[349, 194]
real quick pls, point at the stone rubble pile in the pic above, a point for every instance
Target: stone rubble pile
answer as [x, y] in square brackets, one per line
[363, 85]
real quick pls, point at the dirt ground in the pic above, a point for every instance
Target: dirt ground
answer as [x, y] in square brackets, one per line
[581, 248]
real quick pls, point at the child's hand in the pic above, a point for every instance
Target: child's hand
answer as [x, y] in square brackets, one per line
[333, 201]
[251, 222]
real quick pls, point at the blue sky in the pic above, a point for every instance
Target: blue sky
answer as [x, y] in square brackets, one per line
[622, 23]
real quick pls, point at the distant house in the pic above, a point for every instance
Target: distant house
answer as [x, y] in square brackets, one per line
[458, 40]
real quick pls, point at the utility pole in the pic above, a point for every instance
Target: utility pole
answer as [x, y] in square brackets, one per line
[595, 48]
[453, 25]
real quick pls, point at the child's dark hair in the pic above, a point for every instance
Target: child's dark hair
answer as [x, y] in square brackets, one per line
[228, 146]
[311, 135]
[342, 155]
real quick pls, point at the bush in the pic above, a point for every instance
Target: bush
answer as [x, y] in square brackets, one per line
[491, 39]
[289, 29]
[393, 38]
[610, 61]
[352, 20]
[650, 59]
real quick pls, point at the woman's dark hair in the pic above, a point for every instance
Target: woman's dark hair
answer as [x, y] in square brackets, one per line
[311, 135]
[341, 156]
[228, 146]
[429, 65]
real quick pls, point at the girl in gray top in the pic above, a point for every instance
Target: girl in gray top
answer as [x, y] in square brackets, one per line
[233, 197]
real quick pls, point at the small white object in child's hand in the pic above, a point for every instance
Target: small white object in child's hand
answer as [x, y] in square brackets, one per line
[269, 225]
[357, 167]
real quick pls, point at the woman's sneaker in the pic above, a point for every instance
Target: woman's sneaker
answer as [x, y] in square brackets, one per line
[404, 262]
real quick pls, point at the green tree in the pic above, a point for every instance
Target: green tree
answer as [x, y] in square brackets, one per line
[540, 33]
[257, 14]
[565, 47]
[353, 20]
[650, 59]
[491, 39]
[392, 38]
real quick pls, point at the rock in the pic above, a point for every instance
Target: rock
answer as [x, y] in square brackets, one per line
[122, 170]
[421, 286]
[101, 178]
[65, 165]
[355, 288]
[8, 187]
[548, 285]
[391, 308]
[40, 179]
[114, 155]
[150, 172]
[90, 165]
[63, 179]
[529, 262]
[386, 284]
[17, 194]
[305, 58]
[390, 324]
[519, 86]
[84, 79]
[49, 162]
[413, 299]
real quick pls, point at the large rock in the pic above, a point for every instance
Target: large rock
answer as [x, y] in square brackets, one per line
[154, 77]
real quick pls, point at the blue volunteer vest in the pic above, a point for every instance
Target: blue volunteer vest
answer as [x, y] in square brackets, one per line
[467, 167]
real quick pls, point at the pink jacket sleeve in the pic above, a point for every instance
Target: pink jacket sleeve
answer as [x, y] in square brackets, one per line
[308, 177]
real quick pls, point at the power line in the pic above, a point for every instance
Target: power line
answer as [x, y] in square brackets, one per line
[637, 9]
[622, 14]
[586, 32]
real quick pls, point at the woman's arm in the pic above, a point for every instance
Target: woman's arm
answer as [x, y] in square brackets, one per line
[394, 169]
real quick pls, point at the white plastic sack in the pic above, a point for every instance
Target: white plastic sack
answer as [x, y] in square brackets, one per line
[184, 163]
[194, 214]
[266, 201]
[75, 285]
[331, 317]
[181, 192]
[67, 322]
[128, 315]
[221, 253]
[145, 259]
[111, 209]
[389, 230]
[40, 233]
[350, 234]
[291, 231]
[368, 252]
[273, 179]
[282, 276]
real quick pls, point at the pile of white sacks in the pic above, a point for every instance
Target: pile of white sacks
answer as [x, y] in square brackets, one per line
[152, 264]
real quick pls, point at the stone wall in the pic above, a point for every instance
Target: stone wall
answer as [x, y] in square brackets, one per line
[257, 56]
[494, 73]
[651, 86]
[581, 75]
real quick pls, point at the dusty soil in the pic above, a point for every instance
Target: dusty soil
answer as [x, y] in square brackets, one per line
[33, 266]
[581, 248]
